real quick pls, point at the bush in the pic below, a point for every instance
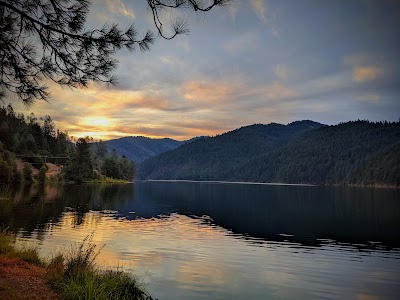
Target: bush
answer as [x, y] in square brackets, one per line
[76, 276]
[7, 248]
[27, 173]
[42, 174]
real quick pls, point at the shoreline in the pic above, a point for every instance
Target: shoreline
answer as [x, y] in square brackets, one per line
[228, 182]
[73, 274]
[377, 186]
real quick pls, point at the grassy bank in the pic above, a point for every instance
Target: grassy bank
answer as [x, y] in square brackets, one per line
[72, 275]
[107, 180]
[7, 249]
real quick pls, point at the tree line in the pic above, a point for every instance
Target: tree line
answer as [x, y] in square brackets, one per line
[36, 141]
[353, 153]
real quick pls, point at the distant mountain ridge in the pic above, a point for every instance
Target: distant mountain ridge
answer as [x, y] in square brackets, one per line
[358, 152]
[212, 158]
[139, 148]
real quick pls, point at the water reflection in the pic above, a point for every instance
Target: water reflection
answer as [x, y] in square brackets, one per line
[224, 241]
[306, 215]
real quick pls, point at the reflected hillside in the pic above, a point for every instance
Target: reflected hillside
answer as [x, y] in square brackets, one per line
[279, 213]
[296, 213]
[32, 208]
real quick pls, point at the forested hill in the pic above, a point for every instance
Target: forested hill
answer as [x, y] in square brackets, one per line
[360, 153]
[214, 158]
[139, 148]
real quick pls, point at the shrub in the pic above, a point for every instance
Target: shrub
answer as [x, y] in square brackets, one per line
[76, 276]
[42, 174]
[7, 248]
[27, 173]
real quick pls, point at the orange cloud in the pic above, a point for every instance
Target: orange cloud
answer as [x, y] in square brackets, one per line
[207, 91]
[277, 90]
[100, 122]
[118, 7]
[362, 74]
[259, 9]
[112, 100]
[370, 98]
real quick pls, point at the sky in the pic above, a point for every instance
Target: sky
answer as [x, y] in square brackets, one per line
[256, 61]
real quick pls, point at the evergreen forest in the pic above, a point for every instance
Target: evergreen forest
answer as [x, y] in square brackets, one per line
[303, 152]
[28, 143]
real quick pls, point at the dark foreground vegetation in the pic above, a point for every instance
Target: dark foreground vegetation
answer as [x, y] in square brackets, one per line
[35, 142]
[71, 275]
[353, 153]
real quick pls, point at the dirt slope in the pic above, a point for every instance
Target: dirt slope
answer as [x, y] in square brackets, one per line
[20, 280]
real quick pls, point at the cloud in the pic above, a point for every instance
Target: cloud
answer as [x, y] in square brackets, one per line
[281, 72]
[118, 7]
[259, 9]
[363, 66]
[369, 98]
[233, 9]
[277, 90]
[208, 91]
[241, 44]
[367, 73]
[168, 60]
[208, 127]
[358, 59]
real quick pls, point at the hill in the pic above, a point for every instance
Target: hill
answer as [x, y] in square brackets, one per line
[139, 148]
[360, 153]
[214, 158]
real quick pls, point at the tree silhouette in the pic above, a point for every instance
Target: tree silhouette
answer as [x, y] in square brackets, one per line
[47, 40]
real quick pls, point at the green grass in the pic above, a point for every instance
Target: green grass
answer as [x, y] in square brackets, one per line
[107, 180]
[8, 249]
[75, 275]
[101, 285]
[6, 243]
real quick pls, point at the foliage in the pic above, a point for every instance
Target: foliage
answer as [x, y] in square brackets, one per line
[179, 25]
[27, 173]
[80, 166]
[354, 153]
[99, 152]
[213, 158]
[8, 171]
[31, 138]
[76, 276]
[81, 258]
[42, 175]
[108, 180]
[118, 168]
[48, 40]
[6, 240]
[127, 168]
[36, 140]
[7, 248]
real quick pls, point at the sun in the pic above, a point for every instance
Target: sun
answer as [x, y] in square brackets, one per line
[96, 121]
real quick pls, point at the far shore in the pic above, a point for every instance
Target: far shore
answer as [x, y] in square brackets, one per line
[380, 186]
[228, 182]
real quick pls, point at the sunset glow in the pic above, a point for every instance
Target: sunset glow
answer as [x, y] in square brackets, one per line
[252, 62]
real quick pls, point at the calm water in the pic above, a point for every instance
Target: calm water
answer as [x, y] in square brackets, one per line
[225, 241]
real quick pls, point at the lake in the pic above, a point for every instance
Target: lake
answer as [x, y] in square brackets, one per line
[190, 240]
